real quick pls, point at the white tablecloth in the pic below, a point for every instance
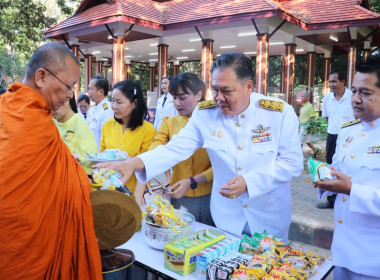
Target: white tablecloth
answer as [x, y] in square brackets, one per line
[155, 258]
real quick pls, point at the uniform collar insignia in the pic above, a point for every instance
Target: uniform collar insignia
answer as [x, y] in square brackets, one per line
[105, 106]
[350, 123]
[206, 104]
[271, 105]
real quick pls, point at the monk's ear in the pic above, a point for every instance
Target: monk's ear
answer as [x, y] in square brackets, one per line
[40, 77]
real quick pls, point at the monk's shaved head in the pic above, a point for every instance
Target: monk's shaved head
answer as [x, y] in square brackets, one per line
[51, 56]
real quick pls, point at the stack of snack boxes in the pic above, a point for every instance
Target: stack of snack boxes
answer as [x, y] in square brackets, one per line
[260, 257]
[181, 255]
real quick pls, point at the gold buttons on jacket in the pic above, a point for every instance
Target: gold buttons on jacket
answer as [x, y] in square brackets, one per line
[363, 133]
[349, 176]
[340, 221]
[245, 206]
[240, 147]
[238, 124]
[352, 155]
[240, 168]
[344, 198]
[243, 116]
[371, 124]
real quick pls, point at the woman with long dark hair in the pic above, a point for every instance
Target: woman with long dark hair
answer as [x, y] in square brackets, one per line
[128, 130]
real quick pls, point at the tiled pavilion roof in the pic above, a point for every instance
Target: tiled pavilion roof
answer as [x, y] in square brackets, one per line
[175, 14]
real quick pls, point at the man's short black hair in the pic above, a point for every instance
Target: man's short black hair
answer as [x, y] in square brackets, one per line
[371, 65]
[85, 98]
[241, 64]
[51, 56]
[341, 76]
[101, 83]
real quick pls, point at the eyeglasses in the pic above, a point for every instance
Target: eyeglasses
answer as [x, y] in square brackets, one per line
[70, 90]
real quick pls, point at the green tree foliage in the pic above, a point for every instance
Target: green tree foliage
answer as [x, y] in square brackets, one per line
[22, 25]
[11, 66]
[375, 5]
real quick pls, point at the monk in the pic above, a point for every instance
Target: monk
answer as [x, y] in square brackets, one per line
[46, 221]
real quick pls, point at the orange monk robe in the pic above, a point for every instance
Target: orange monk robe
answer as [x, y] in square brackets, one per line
[46, 222]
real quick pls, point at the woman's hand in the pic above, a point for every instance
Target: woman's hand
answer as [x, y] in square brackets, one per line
[180, 188]
[125, 167]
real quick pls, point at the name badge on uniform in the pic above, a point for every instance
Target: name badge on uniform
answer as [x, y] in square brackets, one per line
[261, 135]
[373, 149]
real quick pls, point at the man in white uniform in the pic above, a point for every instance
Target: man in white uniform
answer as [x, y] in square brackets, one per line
[253, 145]
[101, 111]
[356, 242]
[337, 110]
[165, 104]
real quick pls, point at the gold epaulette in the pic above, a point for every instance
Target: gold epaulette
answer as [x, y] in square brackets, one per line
[206, 104]
[105, 106]
[351, 123]
[271, 105]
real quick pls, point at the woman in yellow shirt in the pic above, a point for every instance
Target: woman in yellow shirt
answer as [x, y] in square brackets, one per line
[128, 130]
[192, 178]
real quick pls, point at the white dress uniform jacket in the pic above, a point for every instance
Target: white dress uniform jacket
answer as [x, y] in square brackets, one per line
[266, 166]
[97, 116]
[356, 242]
[168, 110]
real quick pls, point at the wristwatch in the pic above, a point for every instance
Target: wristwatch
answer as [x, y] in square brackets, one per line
[193, 184]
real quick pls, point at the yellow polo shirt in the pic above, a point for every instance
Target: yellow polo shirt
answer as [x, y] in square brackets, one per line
[78, 136]
[306, 113]
[196, 164]
[133, 142]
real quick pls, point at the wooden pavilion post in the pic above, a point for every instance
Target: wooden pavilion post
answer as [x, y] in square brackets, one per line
[88, 70]
[75, 50]
[351, 63]
[262, 63]
[290, 52]
[282, 77]
[128, 69]
[366, 50]
[118, 59]
[99, 65]
[152, 68]
[162, 65]
[311, 55]
[175, 67]
[206, 61]
[326, 72]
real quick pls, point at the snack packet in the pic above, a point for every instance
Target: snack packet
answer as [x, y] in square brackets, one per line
[319, 171]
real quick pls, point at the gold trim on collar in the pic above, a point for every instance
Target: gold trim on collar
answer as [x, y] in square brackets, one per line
[271, 105]
[350, 123]
[206, 104]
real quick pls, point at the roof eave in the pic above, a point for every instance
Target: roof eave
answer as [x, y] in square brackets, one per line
[345, 24]
[218, 20]
[102, 21]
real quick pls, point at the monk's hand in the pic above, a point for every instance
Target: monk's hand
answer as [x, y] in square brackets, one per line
[180, 188]
[125, 167]
[234, 187]
[342, 184]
